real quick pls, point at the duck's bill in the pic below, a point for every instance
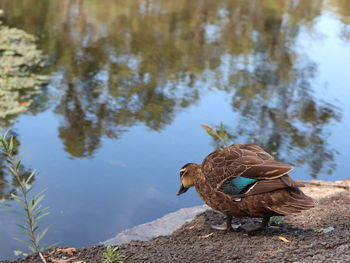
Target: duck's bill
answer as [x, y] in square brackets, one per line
[182, 190]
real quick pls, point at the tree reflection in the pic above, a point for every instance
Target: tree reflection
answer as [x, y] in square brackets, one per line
[342, 10]
[124, 63]
[286, 119]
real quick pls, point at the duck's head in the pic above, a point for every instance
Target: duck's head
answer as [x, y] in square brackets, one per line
[187, 173]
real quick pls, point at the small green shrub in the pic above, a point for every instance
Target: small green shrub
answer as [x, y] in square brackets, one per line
[277, 220]
[112, 255]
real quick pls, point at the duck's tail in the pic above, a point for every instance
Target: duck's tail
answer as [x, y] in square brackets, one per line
[288, 199]
[291, 201]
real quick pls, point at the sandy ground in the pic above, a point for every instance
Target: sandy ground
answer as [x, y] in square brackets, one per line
[321, 234]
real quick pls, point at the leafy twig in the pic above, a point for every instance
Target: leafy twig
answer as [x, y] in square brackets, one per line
[32, 207]
[217, 135]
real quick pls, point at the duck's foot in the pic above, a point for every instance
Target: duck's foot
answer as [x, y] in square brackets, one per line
[227, 226]
[257, 227]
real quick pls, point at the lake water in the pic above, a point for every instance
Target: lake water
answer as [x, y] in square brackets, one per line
[131, 82]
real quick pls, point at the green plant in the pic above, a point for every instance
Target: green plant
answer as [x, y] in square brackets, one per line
[220, 135]
[112, 255]
[33, 210]
[276, 220]
[20, 63]
[319, 230]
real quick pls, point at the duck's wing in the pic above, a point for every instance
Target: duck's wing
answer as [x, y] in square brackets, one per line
[265, 186]
[246, 160]
[260, 164]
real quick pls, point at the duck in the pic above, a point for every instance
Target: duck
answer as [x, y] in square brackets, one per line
[243, 180]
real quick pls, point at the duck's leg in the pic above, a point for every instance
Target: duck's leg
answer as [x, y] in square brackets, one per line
[229, 223]
[263, 224]
[226, 226]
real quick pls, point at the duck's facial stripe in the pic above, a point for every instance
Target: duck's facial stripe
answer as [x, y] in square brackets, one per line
[183, 172]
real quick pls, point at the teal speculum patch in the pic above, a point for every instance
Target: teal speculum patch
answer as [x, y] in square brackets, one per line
[238, 185]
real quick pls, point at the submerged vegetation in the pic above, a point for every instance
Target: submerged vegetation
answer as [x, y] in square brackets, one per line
[20, 60]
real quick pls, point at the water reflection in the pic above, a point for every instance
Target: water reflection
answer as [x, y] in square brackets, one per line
[342, 9]
[123, 63]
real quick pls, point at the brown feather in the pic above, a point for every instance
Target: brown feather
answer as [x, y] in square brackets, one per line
[270, 169]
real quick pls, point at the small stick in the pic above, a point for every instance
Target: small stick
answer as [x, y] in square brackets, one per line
[42, 258]
[325, 184]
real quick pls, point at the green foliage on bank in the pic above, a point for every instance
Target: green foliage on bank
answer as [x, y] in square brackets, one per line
[20, 62]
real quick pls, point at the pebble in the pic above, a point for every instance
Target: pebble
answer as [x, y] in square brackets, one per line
[328, 229]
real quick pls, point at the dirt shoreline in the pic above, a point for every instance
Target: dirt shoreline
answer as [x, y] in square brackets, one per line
[197, 242]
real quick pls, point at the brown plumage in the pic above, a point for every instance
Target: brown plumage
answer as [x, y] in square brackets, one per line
[243, 180]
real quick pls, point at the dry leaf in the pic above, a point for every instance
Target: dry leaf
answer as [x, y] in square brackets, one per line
[206, 236]
[210, 130]
[283, 239]
[79, 261]
[68, 251]
[24, 104]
